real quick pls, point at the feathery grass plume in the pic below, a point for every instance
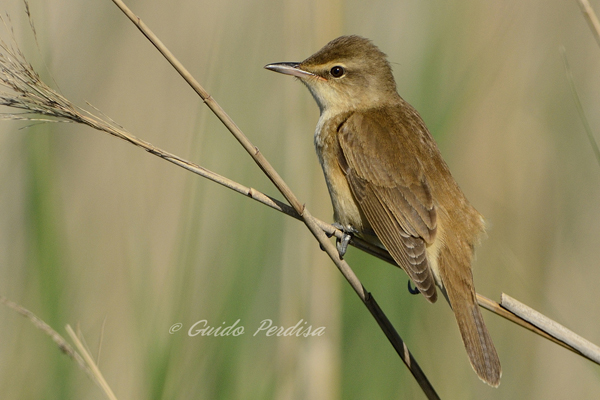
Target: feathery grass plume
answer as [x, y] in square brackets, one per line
[21, 87]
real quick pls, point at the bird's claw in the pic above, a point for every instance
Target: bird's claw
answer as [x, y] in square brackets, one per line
[342, 244]
[412, 290]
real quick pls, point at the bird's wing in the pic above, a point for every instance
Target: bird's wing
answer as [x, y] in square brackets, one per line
[392, 192]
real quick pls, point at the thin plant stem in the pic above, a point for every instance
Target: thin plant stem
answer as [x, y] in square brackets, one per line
[85, 362]
[586, 124]
[98, 377]
[591, 18]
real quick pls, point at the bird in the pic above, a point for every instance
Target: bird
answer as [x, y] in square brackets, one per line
[389, 184]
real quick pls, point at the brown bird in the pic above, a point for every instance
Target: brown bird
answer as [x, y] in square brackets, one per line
[389, 184]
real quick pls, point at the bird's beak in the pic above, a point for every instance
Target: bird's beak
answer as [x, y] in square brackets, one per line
[289, 68]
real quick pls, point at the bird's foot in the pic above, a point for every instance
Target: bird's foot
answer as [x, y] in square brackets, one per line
[412, 290]
[342, 244]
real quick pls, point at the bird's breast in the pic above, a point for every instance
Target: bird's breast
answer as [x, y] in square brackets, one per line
[346, 210]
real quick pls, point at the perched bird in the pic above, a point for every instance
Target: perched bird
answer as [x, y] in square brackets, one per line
[389, 184]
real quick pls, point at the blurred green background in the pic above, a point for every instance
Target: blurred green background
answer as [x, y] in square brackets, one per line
[97, 233]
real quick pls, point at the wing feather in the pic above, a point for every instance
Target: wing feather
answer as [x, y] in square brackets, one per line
[392, 193]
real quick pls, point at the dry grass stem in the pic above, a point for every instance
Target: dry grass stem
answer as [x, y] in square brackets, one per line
[591, 18]
[44, 327]
[553, 328]
[85, 362]
[586, 124]
[97, 375]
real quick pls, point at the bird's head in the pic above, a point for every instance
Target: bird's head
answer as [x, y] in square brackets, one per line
[350, 72]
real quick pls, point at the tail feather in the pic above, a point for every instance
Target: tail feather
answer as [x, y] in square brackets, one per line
[476, 338]
[478, 343]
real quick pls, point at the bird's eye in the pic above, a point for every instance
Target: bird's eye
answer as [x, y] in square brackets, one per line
[337, 71]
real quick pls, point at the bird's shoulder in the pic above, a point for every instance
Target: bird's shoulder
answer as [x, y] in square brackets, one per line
[394, 136]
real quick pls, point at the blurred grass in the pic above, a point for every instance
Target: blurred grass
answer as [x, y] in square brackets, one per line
[46, 247]
[94, 229]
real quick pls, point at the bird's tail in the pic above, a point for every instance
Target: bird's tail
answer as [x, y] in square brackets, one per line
[476, 338]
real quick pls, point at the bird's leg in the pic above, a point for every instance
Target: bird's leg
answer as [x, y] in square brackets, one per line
[412, 290]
